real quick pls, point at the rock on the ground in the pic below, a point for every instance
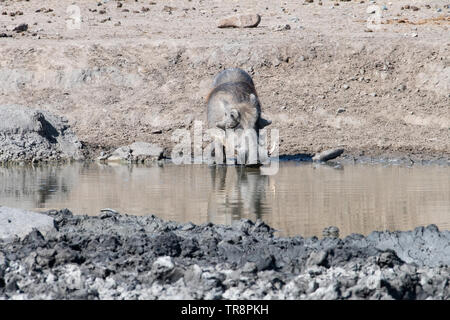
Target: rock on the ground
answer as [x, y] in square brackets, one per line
[240, 21]
[327, 155]
[136, 152]
[17, 222]
[28, 134]
[281, 27]
[21, 27]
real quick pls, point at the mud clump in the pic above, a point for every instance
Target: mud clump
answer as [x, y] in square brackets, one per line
[28, 134]
[116, 256]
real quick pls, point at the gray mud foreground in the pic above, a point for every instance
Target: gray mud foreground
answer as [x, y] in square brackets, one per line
[115, 256]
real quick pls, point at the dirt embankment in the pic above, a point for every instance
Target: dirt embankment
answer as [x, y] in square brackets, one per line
[113, 256]
[139, 71]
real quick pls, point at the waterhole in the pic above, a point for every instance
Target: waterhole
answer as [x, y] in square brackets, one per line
[301, 199]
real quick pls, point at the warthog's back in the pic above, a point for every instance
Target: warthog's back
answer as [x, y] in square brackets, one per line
[232, 75]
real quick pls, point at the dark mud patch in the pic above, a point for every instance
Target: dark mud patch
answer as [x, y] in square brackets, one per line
[359, 157]
[114, 256]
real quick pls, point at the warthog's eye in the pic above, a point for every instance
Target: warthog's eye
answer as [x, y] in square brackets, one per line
[234, 114]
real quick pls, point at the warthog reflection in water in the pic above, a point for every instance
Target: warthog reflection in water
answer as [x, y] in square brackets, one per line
[236, 192]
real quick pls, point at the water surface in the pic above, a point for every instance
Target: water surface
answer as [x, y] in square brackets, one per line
[302, 198]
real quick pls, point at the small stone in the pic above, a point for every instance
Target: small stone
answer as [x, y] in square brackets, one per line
[317, 259]
[21, 27]
[331, 232]
[309, 1]
[372, 94]
[145, 9]
[340, 110]
[240, 21]
[401, 87]
[103, 156]
[11, 286]
[101, 11]
[345, 86]
[281, 27]
[168, 9]
[249, 267]
[163, 265]
[414, 35]
[117, 24]
[327, 155]
[108, 213]
[119, 4]
[188, 226]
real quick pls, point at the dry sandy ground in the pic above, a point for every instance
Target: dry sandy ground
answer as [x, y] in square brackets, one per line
[138, 75]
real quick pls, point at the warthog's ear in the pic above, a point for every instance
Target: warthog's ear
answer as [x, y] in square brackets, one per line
[263, 123]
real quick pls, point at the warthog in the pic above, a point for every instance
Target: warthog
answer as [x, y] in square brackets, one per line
[233, 104]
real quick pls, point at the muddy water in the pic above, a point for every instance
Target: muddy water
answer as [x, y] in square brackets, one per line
[300, 199]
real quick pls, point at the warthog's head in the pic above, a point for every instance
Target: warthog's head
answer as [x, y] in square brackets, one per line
[243, 115]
